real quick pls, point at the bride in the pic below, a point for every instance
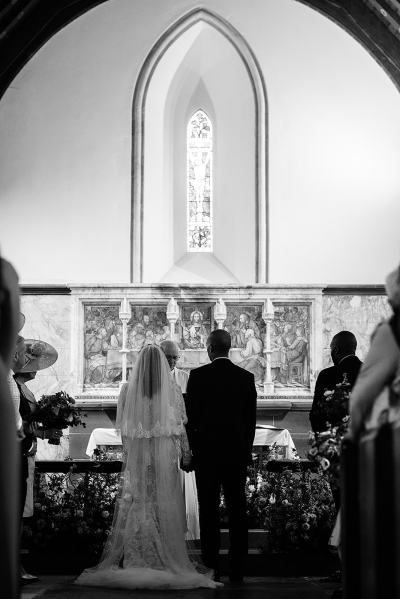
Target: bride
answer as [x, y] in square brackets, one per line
[146, 547]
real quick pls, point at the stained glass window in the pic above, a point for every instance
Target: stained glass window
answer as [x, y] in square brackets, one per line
[199, 183]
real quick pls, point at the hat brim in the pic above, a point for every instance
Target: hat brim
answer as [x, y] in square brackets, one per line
[38, 356]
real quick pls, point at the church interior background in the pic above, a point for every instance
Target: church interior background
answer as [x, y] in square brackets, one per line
[167, 169]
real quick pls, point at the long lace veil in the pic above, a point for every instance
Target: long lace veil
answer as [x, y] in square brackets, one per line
[149, 519]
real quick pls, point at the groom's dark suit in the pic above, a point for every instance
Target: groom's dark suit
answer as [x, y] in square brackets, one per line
[221, 407]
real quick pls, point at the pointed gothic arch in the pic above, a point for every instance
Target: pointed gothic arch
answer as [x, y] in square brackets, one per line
[261, 135]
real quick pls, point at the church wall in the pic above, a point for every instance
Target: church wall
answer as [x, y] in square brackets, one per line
[333, 151]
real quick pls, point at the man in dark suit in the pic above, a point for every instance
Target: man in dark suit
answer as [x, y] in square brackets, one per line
[343, 349]
[221, 406]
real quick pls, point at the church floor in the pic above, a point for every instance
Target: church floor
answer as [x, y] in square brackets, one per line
[61, 587]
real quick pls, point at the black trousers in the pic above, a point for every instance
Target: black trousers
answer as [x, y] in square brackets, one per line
[231, 478]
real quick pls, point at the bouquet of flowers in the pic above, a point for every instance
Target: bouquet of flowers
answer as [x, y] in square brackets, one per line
[326, 445]
[58, 411]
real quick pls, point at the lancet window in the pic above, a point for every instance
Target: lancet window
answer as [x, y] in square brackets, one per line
[199, 183]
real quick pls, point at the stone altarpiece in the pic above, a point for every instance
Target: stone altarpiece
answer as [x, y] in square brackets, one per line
[276, 333]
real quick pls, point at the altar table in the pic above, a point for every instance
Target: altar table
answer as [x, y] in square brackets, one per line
[265, 435]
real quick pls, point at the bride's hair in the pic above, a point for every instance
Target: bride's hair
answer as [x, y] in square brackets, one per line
[150, 367]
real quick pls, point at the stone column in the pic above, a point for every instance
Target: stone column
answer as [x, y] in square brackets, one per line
[220, 313]
[268, 316]
[125, 315]
[172, 316]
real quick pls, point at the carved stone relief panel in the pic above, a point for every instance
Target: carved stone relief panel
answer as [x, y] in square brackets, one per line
[247, 329]
[102, 342]
[195, 325]
[290, 345]
[148, 324]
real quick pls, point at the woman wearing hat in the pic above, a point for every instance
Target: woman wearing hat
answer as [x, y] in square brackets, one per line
[38, 356]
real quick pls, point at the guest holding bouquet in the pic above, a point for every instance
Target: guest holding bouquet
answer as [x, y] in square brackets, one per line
[38, 355]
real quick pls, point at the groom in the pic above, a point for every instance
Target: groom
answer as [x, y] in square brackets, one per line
[221, 408]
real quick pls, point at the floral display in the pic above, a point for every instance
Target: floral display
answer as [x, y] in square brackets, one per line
[58, 411]
[295, 508]
[72, 511]
[326, 445]
[75, 511]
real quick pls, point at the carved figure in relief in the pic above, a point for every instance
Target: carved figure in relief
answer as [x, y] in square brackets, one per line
[103, 339]
[253, 359]
[240, 327]
[290, 347]
[195, 335]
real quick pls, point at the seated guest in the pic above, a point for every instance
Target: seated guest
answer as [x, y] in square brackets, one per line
[345, 362]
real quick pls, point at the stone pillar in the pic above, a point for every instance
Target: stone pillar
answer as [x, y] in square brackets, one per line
[125, 315]
[220, 313]
[268, 316]
[172, 316]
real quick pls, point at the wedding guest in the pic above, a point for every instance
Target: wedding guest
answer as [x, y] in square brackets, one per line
[37, 355]
[9, 520]
[343, 352]
[378, 381]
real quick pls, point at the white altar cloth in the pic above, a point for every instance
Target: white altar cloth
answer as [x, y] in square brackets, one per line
[265, 435]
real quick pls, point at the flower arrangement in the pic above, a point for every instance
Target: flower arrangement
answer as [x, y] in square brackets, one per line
[58, 411]
[295, 508]
[71, 510]
[326, 445]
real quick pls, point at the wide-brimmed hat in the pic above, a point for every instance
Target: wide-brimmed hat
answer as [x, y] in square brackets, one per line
[38, 356]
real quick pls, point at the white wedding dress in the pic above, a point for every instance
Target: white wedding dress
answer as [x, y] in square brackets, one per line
[146, 548]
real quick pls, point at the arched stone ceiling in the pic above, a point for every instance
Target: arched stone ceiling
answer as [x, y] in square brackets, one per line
[25, 25]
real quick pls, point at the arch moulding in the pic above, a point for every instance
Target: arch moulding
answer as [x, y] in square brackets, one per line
[261, 136]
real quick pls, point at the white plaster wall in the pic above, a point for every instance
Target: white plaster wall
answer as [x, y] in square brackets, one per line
[185, 80]
[334, 130]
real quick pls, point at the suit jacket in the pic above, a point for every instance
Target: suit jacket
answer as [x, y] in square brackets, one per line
[328, 379]
[221, 404]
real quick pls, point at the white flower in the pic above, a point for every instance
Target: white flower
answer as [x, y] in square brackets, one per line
[325, 463]
[328, 393]
[272, 499]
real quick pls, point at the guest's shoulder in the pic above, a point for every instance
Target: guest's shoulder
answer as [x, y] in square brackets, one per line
[327, 373]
